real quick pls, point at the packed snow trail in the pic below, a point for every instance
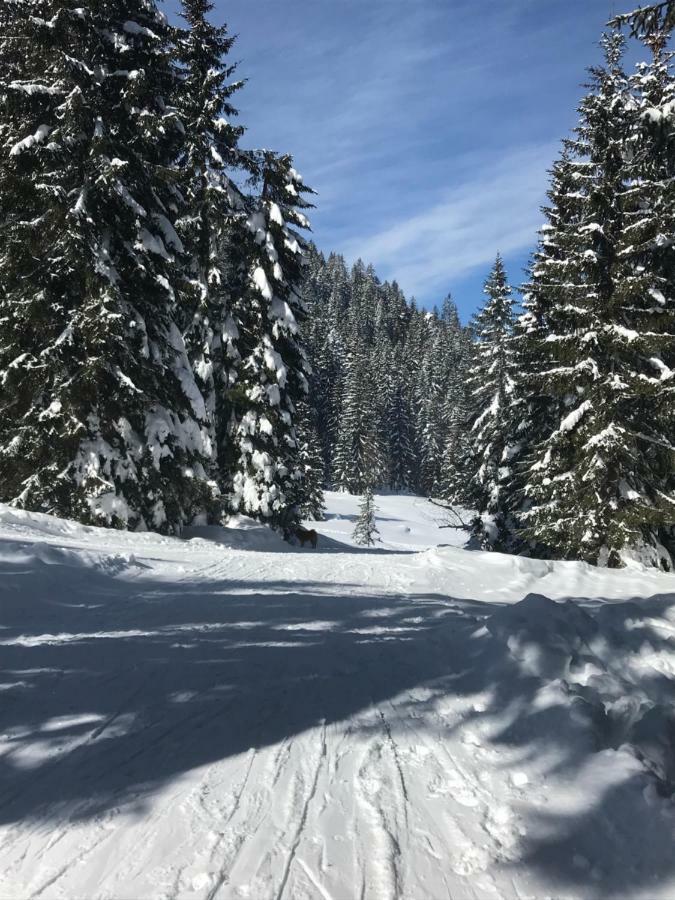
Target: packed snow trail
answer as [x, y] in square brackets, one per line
[225, 716]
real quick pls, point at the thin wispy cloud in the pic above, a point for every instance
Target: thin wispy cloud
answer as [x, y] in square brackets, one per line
[496, 210]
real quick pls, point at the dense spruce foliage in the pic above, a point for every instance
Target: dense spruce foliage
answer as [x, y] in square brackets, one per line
[149, 304]
[491, 382]
[100, 416]
[596, 480]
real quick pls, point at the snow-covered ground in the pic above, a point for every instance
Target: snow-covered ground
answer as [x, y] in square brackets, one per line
[226, 716]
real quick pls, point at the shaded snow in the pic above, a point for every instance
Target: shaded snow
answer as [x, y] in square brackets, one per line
[228, 716]
[151, 244]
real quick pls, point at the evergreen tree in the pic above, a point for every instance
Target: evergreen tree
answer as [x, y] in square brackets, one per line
[491, 384]
[100, 417]
[328, 379]
[645, 301]
[399, 433]
[425, 389]
[339, 289]
[274, 367]
[359, 454]
[457, 464]
[457, 458]
[592, 483]
[210, 158]
[534, 412]
[311, 499]
[365, 530]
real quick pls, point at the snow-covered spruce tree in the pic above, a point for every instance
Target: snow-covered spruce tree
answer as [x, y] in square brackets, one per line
[430, 393]
[272, 377]
[457, 459]
[310, 499]
[365, 530]
[457, 465]
[210, 160]
[645, 297]
[328, 376]
[491, 386]
[339, 289]
[365, 292]
[399, 431]
[592, 484]
[326, 293]
[534, 411]
[100, 417]
[359, 454]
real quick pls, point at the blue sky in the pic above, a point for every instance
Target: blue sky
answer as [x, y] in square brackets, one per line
[426, 126]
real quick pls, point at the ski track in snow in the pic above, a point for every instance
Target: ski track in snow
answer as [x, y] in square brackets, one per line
[226, 718]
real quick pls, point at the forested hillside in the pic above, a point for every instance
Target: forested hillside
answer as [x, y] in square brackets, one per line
[388, 382]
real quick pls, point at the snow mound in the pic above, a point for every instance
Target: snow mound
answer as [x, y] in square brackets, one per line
[18, 520]
[49, 555]
[615, 662]
[240, 532]
[548, 639]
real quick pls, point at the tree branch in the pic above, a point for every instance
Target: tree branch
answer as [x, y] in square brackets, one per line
[657, 17]
[450, 509]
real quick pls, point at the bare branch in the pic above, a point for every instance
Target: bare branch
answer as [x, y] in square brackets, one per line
[451, 509]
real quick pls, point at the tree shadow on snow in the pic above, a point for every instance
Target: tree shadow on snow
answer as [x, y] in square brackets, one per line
[113, 684]
[593, 708]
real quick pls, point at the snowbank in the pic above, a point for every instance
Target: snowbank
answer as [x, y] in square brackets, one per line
[598, 658]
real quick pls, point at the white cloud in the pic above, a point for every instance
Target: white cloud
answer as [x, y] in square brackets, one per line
[497, 209]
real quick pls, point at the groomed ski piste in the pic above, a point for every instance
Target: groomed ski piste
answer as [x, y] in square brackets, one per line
[227, 716]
